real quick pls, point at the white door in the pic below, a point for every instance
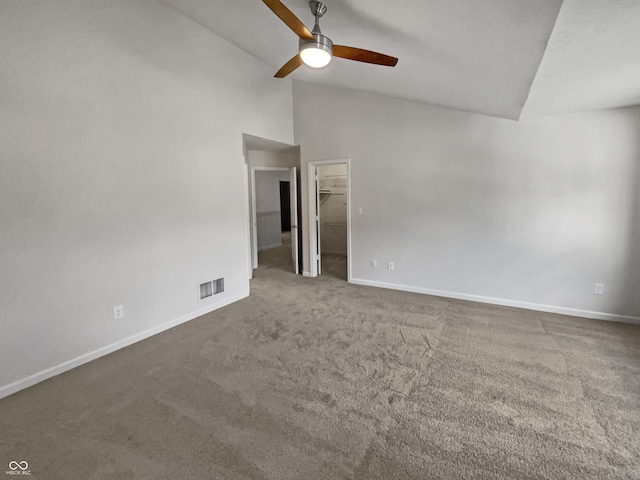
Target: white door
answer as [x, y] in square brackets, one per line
[254, 221]
[293, 199]
[318, 250]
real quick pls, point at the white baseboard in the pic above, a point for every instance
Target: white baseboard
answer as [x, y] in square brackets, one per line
[574, 312]
[31, 380]
[267, 247]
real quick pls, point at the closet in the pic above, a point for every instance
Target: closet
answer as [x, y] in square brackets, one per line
[332, 194]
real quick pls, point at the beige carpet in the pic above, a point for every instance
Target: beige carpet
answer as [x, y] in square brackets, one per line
[318, 379]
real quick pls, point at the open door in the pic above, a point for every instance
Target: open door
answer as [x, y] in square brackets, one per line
[318, 250]
[293, 198]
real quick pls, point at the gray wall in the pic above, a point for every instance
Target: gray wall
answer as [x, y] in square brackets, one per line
[529, 213]
[269, 226]
[284, 158]
[268, 189]
[122, 180]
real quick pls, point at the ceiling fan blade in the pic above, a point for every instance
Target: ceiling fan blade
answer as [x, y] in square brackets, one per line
[361, 55]
[289, 18]
[289, 67]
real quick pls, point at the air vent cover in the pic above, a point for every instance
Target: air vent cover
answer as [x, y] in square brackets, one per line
[210, 288]
[206, 290]
[218, 286]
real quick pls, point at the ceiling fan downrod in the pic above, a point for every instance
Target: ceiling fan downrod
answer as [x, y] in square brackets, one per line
[318, 9]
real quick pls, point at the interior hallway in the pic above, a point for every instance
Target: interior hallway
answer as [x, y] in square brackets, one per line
[320, 379]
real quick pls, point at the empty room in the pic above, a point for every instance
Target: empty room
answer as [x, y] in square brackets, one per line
[273, 240]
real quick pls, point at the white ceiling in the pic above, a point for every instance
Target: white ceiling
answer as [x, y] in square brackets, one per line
[593, 59]
[487, 56]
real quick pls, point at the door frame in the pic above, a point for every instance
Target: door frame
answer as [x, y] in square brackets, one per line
[312, 170]
[253, 227]
[294, 217]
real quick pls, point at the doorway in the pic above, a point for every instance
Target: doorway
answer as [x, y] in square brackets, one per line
[267, 204]
[330, 219]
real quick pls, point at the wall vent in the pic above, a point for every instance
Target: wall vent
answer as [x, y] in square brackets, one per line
[218, 286]
[208, 289]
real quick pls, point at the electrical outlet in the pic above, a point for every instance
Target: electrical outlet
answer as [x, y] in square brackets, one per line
[390, 266]
[374, 263]
[598, 289]
[118, 312]
[359, 210]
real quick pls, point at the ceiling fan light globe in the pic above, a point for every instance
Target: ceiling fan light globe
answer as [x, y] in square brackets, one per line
[315, 57]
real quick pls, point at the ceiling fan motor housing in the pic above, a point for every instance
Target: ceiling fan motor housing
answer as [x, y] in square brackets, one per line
[320, 41]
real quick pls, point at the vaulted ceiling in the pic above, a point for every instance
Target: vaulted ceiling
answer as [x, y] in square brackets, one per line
[507, 58]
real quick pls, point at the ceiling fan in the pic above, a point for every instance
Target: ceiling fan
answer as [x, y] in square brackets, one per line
[315, 49]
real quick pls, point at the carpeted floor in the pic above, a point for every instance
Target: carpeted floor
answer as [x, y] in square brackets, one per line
[319, 379]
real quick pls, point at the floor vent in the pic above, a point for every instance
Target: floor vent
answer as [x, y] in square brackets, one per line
[208, 289]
